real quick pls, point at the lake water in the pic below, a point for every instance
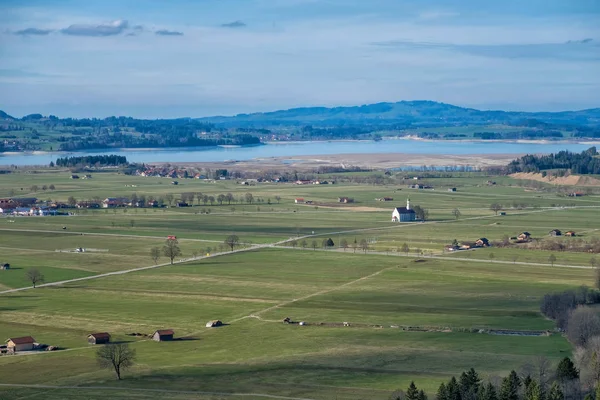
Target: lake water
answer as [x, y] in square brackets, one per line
[292, 149]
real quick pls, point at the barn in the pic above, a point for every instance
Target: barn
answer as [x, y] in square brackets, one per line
[163, 335]
[20, 344]
[98, 338]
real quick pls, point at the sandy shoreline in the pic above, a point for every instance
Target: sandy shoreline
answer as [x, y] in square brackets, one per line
[373, 161]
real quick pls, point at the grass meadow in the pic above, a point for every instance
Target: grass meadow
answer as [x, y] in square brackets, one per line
[449, 300]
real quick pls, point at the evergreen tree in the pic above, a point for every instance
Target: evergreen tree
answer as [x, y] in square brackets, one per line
[487, 392]
[533, 391]
[527, 381]
[442, 393]
[566, 370]
[422, 395]
[510, 387]
[412, 393]
[469, 384]
[453, 390]
[555, 393]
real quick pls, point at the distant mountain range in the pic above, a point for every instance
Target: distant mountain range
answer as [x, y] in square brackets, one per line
[403, 113]
[425, 119]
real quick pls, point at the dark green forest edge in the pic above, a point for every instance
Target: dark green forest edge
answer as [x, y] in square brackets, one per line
[424, 119]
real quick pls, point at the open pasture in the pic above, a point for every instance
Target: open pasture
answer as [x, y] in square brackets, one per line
[253, 291]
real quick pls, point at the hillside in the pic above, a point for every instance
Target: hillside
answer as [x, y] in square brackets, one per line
[425, 119]
[413, 113]
[571, 180]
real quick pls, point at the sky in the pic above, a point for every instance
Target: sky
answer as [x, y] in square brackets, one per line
[193, 58]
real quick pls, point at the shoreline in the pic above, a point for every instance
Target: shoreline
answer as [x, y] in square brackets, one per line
[375, 161]
[590, 142]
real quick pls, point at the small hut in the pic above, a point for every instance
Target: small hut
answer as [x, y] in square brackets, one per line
[213, 324]
[98, 338]
[163, 335]
[20, 344]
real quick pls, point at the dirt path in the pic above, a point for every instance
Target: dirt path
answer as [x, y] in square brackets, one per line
[434, 257]
[157, 391]
[319, 293]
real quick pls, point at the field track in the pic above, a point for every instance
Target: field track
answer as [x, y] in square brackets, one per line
[162, 391]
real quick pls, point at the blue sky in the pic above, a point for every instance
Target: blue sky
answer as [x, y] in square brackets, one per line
[177, 58]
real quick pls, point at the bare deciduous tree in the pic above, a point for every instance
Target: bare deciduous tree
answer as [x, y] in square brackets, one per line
[117, 356]
[34, 276]
[496, 207]
[171, 249]
[583, 324]
[344, 244]
[155, 254]
[232, 241]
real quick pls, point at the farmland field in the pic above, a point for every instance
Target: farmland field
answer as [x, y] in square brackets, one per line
[423, 315]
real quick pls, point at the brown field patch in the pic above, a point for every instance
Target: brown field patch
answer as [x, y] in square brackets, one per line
[571, 180]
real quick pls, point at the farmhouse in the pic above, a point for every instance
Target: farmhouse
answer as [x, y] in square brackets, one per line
[483, 242]
[299, 200]
[74, 176]
[452, 190]
[98, 338]
[7, 204]
[20, 344]
[384, 199]
[345, 200]
[214, 324]
[570, 233]
[524, 237]
[87, 204]
[555, 232]
[404, 214]
[111, 202]
[163, 335]
[4, 266]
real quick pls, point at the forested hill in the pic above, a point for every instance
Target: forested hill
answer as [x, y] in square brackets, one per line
[406, 113]
[586, 162]
[38, 132]
[426, 119]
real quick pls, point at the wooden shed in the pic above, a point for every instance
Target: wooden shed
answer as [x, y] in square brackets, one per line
[98, 338]
[20, 344]
[163, 335]
[214, 323]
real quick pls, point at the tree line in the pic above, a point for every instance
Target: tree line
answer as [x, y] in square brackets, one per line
[86, 161]
[586, 162]
[538, 380]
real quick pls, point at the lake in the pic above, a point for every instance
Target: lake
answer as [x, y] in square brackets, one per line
[291, 149]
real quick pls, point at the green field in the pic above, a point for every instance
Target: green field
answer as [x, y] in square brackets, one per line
[410, 317]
